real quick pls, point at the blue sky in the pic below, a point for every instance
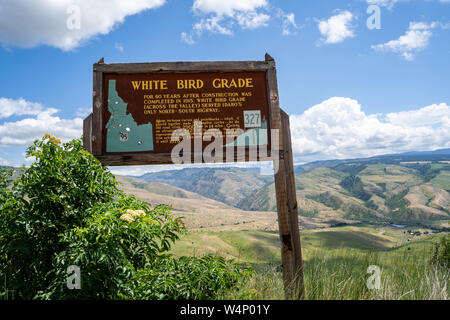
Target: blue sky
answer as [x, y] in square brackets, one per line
[350, 90]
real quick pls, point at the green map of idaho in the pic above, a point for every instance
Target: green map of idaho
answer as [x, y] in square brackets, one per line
[123, 133]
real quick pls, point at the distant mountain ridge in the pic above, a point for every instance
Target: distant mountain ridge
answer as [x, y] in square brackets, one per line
[412, 186]
[435, 155]
[416, 153]
[228, 185]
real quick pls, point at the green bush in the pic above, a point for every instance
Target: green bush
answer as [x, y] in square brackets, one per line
[66, 209]
[441, 252]
[189, 278]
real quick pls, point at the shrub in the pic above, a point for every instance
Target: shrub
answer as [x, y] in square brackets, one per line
[66, 209]
[189, 278]
[441, 252]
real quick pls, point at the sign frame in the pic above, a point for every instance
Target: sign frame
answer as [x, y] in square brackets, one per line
[93, 124]
[291, 255]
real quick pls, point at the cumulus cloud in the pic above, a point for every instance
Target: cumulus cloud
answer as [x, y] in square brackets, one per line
[337, 28]
[252, 20]
[4, 162]
[391, 3]
[221, 17]
[229, 7]
[187, 38]
[64, 24]
[339, 128]
[384, 3]
[289, 25]
[213, 24]
[20, 107]
[414, 40]
[43, 120]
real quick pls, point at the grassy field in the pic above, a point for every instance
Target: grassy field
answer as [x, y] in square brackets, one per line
[335, 262]
[335, 258]
[442, 180]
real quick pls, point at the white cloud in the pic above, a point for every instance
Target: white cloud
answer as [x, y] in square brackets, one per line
[187, 38]
[213, 24]
[337, 28]
[288, 22]
[391, 3]
[228, 7]
[83, 112]
[252, 20]
[27, 24]
[338, 128]
[384, 3]
[44, 120]
[118, 46]
[221, 17]
[20, 107]
[4, 162]
[414, 40]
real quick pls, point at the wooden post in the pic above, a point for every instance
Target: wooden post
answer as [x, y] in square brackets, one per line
[286, 194]
[97, 112]
[298, 286]
[87, 133]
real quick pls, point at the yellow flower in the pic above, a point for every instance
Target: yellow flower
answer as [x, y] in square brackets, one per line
[127, 217]
[136, 213]
[141, 213]
[52, 139]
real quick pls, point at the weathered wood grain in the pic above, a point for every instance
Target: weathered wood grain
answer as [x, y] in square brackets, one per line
[87, 133]
[165, 158]
[182, 67]
[281, 189]
[298, 287]
[97, 114]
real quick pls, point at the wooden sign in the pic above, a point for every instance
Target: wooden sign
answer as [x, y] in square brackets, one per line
[142, 112]
[138, 107]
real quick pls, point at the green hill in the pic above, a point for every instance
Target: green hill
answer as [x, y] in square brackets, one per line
[401, 192]
[228, 185]
[399, 188]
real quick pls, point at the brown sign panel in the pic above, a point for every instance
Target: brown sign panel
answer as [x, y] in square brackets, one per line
[139, 109]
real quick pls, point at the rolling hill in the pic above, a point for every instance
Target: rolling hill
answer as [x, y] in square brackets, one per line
[227, 185]
[408, 187]
[376, 192]
[198, 212]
